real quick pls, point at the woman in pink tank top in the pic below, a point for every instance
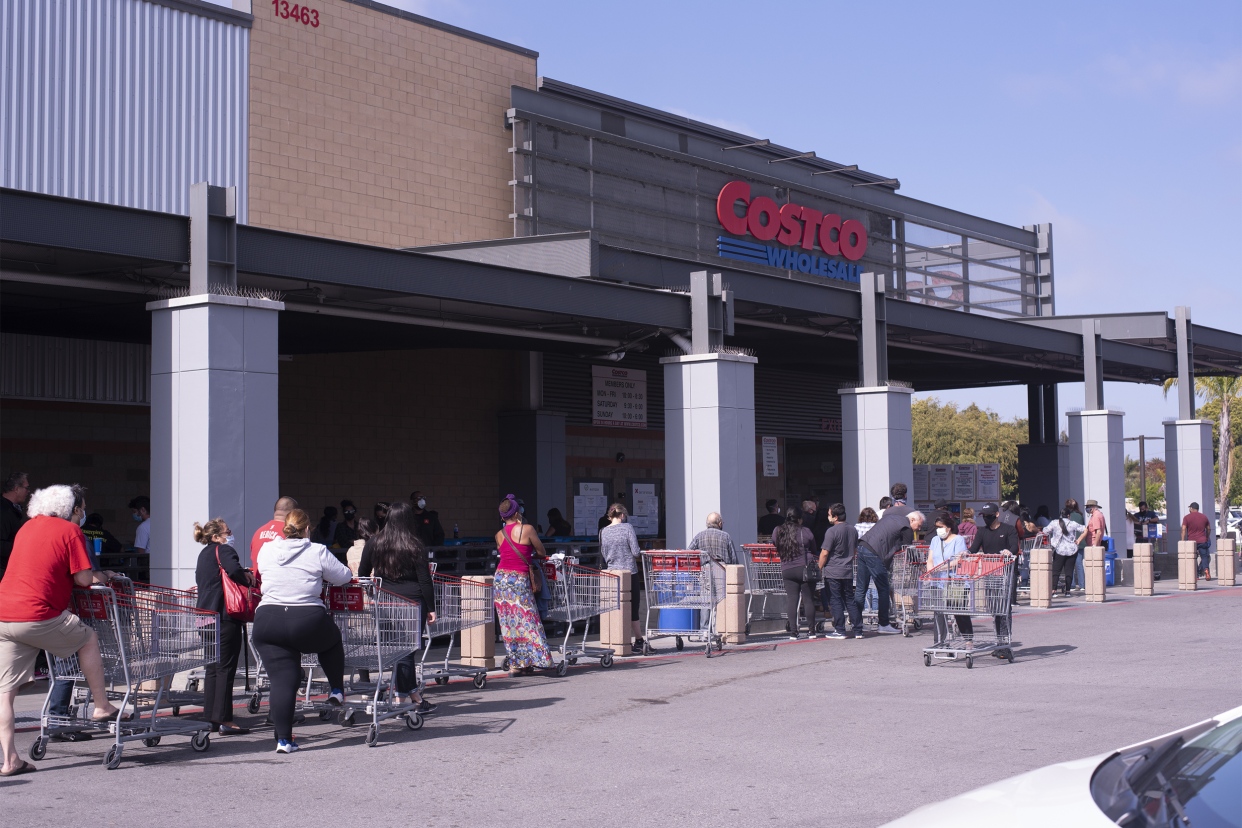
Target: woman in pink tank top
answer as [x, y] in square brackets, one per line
[525, 642]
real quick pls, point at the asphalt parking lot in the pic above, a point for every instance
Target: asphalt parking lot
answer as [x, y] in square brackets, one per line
[842, 733]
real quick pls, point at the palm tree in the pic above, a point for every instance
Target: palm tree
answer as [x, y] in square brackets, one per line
[1227, 391]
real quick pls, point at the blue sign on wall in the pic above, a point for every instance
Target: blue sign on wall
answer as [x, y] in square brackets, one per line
[787, 259]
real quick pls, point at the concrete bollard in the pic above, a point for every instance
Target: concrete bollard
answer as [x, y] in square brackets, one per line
[1226, 562]
[1187, 566]
[731, 611]
[1144, 569]
[478, 643]
[1041, 578]
[614, 627]
[1093, 568]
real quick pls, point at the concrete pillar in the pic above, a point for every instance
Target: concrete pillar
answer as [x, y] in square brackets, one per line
[1189, 473]
[709, 439]
[876, 444]
[1187, 566]
[532, 461]
[1043, 463]
[214, 424]
[478, 643]
[1093, 568]
[1097, 465]
[1144, 576]
[1041, 578]
[1226, 562]
[615, 631]
[731, 611]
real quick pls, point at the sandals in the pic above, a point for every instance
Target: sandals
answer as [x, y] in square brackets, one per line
[113, 717]
[229, 729]
[25, 767]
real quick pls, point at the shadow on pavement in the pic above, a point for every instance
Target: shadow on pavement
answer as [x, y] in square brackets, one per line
[1039, 653]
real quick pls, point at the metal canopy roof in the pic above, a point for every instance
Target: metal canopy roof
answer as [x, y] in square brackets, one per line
[342, 296]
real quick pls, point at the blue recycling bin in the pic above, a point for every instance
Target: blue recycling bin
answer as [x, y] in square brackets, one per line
[1110, 566]
[679, 619]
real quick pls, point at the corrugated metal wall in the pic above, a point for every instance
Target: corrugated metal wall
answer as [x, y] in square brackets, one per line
[567, 387]
[122, 101]
[85, 370]
[796, 404]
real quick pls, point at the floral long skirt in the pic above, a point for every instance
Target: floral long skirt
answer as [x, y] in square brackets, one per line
[519, 621]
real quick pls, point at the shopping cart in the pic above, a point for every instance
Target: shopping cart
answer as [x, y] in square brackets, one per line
[680, 580]
[976, 586]
[579, 593]
[765, 581]
[908, 566]
[140, 639]
[192, 695]
[460, 605]
[1029, 545]
[378, 628]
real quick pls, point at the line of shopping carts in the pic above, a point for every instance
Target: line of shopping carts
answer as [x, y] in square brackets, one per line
[964, 589]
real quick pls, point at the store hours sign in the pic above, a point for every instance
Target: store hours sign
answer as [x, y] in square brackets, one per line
[619, 397]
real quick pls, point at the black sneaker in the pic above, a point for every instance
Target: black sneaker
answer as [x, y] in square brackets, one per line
[426, 707]
[80, 736]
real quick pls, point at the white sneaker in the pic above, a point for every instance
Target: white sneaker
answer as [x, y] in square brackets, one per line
[283, 746]
[889, 630]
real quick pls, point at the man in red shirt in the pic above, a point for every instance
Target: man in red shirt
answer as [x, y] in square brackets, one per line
[1195, 527]
[49, 559]
[272, 530]
[1096, 527]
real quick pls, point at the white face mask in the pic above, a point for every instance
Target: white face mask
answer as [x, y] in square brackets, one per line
[942, 532]
[82, 520]
[230, 540]
[422, 504]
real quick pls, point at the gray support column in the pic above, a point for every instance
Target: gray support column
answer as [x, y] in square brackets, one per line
[1043, 463]
[532, 461]
[876, 444]
[1035, 414]
[1185, 364]
[532, 380]
[873, 333]
[1092, 365]
[1189, 474]
[1097, 465]
[709, 438]
[214, 424]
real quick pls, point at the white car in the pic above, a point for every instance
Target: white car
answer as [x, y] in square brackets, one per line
[1190, 778]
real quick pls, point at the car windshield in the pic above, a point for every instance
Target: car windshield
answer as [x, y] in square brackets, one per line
[1166, 784]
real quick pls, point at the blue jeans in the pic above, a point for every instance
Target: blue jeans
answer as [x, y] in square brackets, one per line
[1204, 550]
[62, 694]
[1080, 577]
[871, 568]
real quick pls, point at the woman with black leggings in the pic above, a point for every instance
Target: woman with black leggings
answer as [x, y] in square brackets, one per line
[291, 620]
[795, 546]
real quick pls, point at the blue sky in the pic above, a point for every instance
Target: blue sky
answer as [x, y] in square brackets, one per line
[1120, 123]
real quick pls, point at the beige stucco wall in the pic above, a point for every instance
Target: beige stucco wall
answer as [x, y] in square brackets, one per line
[378, 129]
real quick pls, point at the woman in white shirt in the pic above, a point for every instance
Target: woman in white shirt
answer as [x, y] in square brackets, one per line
[1063, 535]
[946, 546]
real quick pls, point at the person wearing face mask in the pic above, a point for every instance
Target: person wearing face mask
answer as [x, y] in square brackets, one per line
[945, 547]
[426, 523]
[141, 507]
[347, 529]
[218, 554]
[380, 513]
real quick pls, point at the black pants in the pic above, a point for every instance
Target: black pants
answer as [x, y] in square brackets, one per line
[964, 626]
[1063, 564]
[797, 585]
[636, 594]
[281, 635]
[841, 601]
[218, 678]
[405, 673]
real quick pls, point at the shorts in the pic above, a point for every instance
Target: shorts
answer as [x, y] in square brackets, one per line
[22, 641]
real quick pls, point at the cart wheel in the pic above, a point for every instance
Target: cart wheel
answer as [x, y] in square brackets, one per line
[907, 630]
[562, 668]
[926, 660]
[176, 710]
[1009, 655]
[325, 715]
[151, 742]
[504, 665]
[191, 686]
[201, 741]
[918, 625]
[441, 679]
[970, 662]
[647, 648]
[347, 718]
[680, 644]
[573, 661]
[113, 759]
[605, 660]
[480, 681]
[372, 735]
[253, 705]
[39, 748]
[748, 628]
[413, 720]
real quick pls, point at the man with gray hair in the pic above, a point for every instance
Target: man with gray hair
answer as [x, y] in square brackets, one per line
[715, 541]
[876, 550]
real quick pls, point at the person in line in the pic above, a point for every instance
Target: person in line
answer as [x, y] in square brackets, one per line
[1097, 527]
[966, 527]
[218, 554]
[427, 522]
[397, 555]
[93, 530]
[1041, 517]
[325, 530]
[885, 502]
[715, 541]
[1062, 535]
[945, 547]
[995, 538]
[866, 519]
[815, 520]
[1142, 519]
[1196, 527]
[1080, 580]
[795, 545]
[897, 528]
[380, 513]
[141, 507]
[558, 527]
[1008, 514]
[618, 545]
[274, 529]
[771, 519]
[836, 560]
[291, 620]
[48, 560]
[365, 531]
[16, 490]
[520, 549]
[347, 529]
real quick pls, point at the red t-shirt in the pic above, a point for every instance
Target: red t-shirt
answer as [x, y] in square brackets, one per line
[38, 584]
[1196, 524]
[270, 531]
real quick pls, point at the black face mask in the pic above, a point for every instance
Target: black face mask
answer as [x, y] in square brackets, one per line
[350, 514]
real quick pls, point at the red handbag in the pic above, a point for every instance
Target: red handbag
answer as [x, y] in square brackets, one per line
[240, 601]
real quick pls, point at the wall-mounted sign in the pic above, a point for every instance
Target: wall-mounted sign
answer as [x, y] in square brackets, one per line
[619, 397]
[939, 482]
[791, 225]
[771, 464]
[987, 481]
[832, 425]
[964, 481]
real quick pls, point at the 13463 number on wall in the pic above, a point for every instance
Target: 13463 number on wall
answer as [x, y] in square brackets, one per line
[303, 14]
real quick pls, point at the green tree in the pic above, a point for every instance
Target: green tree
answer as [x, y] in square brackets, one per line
[943, 434]
[1221, 395]
[1155, 482]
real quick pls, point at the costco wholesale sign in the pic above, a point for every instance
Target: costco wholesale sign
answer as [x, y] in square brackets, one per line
[801, 228]
[619, 397]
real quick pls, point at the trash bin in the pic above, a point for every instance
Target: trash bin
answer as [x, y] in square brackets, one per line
[1110, 567]
[679, 619]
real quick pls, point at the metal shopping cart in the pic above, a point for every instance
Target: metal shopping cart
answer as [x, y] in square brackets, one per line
[765, 582]
[192, 695]
[973, 586]
[680, 580]
[460, 605]
[579, 593]
[1029, 545]
[140, 639]
[908, 566]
